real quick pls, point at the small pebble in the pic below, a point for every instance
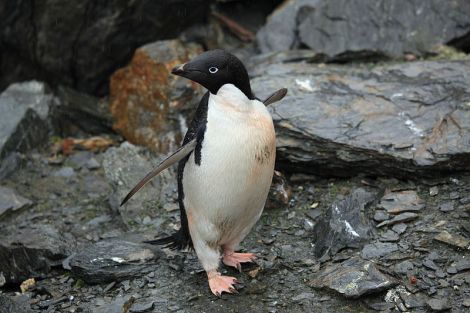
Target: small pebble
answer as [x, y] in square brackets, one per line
[433, 191]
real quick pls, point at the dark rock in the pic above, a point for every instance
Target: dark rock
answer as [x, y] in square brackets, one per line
[11, 201]
[10, 164]
[353, 278]
[7, 305]
[113, 260]
[463, 265]
[464, 200]
[148, 102]
[344, 224]
[412, 301]
[79, 114]
[341, 121]
[400, 218]
[343, 30]
[25, 112]
[446, 206]
[439, 304]
[378, 250]
[31, 252]
[404, 267]
[279, 193]
[453, 240]
[430, 264]
[124, 167]
[401, 201]
[90, 39]
[381, 306]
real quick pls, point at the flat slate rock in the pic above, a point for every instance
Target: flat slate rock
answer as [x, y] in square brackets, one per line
[11, 201]
[25, 109]
[344, 225]
[399, 120]
[353, 278]
[8, 305]
[345, 30]
[113, 260]
[401, 201]
[31, 252]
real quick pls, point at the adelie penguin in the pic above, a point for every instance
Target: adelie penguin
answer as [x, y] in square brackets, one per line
[225, 168]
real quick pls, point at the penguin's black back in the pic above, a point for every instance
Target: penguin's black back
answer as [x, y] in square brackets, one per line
[181, 239]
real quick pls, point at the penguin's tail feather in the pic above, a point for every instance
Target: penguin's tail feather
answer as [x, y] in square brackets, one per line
[176, 241]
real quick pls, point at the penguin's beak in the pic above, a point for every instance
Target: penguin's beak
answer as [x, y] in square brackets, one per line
[178, 70]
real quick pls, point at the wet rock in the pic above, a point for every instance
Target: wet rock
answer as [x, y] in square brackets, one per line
[279, 193]
[344, 30]
[31, 252]
[400, 218]
[439, 304]
[25, 112]
[404, 267]
[124, 167]
[146, 100]
[353, 278]
[401, 201]
[446, 206]
[344, 224]
[91, 40]
[341, 121]
[453, 240]
[113, 260]
[378, 250]
[11, 201]
[7, 305]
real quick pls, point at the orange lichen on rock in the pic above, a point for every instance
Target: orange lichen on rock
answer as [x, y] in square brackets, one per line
[143, 100]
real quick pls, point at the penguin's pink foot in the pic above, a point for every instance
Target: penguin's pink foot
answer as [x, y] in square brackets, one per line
[219, 283]
[235, 259]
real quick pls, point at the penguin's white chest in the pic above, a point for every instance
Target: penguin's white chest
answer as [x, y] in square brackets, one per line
[227, 191]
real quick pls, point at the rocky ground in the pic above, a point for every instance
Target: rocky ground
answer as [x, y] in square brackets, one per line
[369, 209]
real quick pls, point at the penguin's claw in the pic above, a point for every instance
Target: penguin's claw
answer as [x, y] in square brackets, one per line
[219, 283]
[235, 259]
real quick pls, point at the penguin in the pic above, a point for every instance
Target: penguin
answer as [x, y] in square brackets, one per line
[225, 166]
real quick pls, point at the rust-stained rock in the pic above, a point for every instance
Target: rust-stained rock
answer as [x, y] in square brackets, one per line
[146, 100]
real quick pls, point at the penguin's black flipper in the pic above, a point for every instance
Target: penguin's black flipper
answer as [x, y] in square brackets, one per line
[275, 97]
[181, 153]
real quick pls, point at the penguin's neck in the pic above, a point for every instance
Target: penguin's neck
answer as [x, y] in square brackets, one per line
[230, 98]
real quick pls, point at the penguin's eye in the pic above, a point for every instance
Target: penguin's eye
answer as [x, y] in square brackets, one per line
[213, 69]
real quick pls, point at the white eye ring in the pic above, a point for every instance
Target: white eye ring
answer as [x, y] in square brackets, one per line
[213, 69]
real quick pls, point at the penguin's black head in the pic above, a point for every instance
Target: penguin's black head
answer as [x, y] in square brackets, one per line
[215, 68]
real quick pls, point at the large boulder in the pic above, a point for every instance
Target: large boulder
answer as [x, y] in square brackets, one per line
[80, 44]
[400, 120]
[25, 117]
[148, 102]
[344, 29]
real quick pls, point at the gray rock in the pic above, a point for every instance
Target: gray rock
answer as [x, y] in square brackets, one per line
[381, 216]
[389, 236]
[343, 30]
[453, 240]
[124, 167]
[399, 228]
[92, 164]
[378, 250]
[142, 307]
[113, 260]
[11, 201]
[401, 201]
[7, 305]
[342, 121]
[400, 218]
[344, 224]
[446, 206]
[353, 278]
[25, 110]
[65, 172]
[439, 304]
[31, 252]
[463, 264]
[404, 267]
[95, 39]
[79, 159]
[433, 191]
[9, 164]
